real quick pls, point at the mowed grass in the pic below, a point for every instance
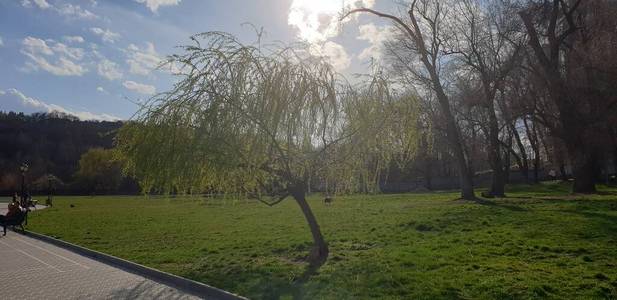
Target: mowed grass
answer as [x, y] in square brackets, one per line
[540, 243]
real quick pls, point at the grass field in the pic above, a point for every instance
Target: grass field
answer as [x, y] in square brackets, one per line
[539, 243]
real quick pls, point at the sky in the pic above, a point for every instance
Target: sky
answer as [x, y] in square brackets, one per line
[95, 59]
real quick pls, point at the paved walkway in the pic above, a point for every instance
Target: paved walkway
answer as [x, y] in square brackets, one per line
[32, 269]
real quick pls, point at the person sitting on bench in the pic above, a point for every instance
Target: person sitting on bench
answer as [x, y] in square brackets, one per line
[14, 209]
[15, 214]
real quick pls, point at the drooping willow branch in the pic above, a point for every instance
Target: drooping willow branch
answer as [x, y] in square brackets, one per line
[244, 119]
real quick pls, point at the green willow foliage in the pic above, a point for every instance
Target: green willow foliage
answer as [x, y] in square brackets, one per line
[254, 120]
[387, 132]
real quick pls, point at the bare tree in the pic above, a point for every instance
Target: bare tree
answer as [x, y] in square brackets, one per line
[485, 39]
[424, 35]
[569, 42]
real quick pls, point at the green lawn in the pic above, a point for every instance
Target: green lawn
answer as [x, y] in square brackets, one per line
[539, 243]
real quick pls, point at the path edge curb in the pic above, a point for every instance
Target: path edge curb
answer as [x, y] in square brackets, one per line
[186, 285]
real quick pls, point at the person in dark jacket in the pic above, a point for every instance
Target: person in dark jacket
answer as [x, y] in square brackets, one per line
[14, 208]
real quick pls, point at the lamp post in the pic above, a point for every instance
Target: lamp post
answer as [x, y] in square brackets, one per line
[23, 169]
[49, 186]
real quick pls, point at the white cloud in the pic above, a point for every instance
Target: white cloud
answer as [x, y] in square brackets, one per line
[376, 36]
[154, 5]
[109, 70]
[70, 52]
[105, 34]
[334, 53]
[142, 61]
[14, 100]
[42, 4]
[63, 67]
[317, 20]
[1, 42]
[34, 45]
[55, 57]
[67, 10]
[75, 11]
[73, 39]
[140, 88]
[101, 90]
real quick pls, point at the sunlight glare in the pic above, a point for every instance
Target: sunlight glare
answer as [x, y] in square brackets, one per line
[316, 19]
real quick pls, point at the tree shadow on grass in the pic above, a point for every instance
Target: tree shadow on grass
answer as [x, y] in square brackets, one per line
[297, 289]
[265, 282]
[597, 216]
[594, 210]
[487, 202]
[605, 193]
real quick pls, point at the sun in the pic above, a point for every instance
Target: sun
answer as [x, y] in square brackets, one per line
[315, 19]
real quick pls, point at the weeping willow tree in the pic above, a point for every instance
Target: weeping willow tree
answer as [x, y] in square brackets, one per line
[386, 131]
[261, 122]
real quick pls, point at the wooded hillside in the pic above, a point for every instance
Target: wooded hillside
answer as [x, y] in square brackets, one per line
[49, 144]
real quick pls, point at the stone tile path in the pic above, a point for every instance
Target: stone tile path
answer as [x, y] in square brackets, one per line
[32, 269]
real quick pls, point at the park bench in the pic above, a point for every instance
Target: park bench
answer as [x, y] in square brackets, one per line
[33, 203]
[29, 203]
[16, 220]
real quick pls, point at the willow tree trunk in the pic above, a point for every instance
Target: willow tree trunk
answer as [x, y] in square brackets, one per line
[319, 252]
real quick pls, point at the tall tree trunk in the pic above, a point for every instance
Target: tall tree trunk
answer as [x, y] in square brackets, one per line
[559, 156]
[507, 166]
[532, 136]
[428, 174]
[453, 135]
[507, 157]
[523, 164]
[536, 166]
[562, 170]
[319, 252]
[615, 161]
[582, 154]
[494, 153]
[581, 149]
[583, 169]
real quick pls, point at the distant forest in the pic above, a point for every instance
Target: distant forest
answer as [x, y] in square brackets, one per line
[77, 155]
[53, 144]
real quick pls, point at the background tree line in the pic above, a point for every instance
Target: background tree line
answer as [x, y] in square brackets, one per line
[527, 83]
[77, 154]
[70, 150]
